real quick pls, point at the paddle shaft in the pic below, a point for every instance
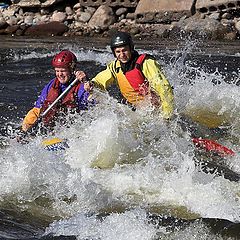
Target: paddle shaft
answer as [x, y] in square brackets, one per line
[59, 97]
[22, 134]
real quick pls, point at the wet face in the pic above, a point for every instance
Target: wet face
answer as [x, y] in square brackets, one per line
[123, 54]
[63, 74]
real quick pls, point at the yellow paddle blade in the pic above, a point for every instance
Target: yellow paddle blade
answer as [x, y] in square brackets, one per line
[55, 144]
[51, 141]
[207, 118]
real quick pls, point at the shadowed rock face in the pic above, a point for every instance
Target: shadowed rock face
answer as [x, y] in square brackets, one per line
[48, 29]
[47, 3]
[164, 5]
[205, 6]
[157, 11]
[123, 3]
[35, 3]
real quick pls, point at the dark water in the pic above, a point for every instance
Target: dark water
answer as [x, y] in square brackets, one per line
[44, 198]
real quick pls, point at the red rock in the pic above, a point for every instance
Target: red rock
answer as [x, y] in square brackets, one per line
[48, 29]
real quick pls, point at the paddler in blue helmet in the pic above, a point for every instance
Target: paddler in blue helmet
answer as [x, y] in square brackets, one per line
[77, 98]
[132, 77]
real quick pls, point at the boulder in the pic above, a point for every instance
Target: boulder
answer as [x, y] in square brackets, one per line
[68, 11]
[59, 16]
[28, 20]
[209, 6]
[29, 3]
[48, 29]
[3, 23]
[11, 11]
[207, 27]
[121, 11]
[164, 11]
[112, 3]
[12, 20]
[90, 10]
[11, 29]
[84, 17]
[237, 26]
[35, 3]
[102, 18]
[49, 3]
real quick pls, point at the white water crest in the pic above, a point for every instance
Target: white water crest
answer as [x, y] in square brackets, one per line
[122, 164]
[128, 225]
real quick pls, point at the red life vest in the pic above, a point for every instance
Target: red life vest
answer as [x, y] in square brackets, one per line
[69, 101]
[133, 84]
[136, 78]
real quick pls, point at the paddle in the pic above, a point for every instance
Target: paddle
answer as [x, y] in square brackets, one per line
[22, 135]
[58, 98]
[55, 144]
[212, 146]
[187, 124]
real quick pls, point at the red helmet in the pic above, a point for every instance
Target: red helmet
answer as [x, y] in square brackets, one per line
[64, 59]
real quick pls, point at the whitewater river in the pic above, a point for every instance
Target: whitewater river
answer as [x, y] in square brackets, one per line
[126, 175]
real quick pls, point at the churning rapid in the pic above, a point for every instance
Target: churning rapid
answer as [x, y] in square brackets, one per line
[125, 174]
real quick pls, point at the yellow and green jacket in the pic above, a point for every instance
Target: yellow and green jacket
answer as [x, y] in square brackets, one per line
[145, 78]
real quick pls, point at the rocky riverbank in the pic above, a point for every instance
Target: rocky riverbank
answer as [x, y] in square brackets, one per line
[70, 18]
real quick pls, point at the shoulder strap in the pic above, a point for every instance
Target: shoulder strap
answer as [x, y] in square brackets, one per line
[139, 61]
[141, 58]
[56, 83]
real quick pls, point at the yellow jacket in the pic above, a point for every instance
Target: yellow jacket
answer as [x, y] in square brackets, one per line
[151, 71]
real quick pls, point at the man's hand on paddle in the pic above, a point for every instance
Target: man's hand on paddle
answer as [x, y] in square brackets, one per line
[88, 86]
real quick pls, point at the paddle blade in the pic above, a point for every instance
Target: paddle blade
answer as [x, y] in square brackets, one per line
[55, 144]
[212, 146]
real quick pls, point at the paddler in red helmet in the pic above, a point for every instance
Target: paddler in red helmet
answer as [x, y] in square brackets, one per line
[77, 98]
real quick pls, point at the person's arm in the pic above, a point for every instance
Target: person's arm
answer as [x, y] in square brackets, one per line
[33, 115]
[85, 96]
[30, 118]
[160, 85]
[105, 78]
